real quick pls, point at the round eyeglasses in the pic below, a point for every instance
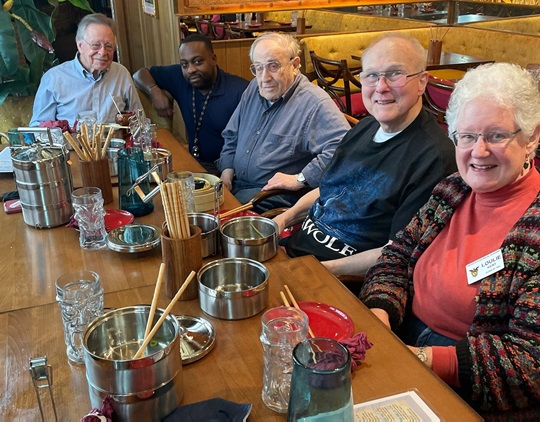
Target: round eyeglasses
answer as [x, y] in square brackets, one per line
[465, 140]
[273, 67]
[393, 78]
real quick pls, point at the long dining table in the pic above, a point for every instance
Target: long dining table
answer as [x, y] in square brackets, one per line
[31, 326]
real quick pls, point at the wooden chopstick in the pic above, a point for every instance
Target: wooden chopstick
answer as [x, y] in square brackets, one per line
[284, 298]
[164, 315]
[244, 207]
[295, 304]
[154, 299]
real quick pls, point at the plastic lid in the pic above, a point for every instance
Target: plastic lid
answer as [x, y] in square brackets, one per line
[197, 337]
[134, 238]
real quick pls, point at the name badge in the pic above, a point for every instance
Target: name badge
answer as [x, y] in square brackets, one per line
[487, 265]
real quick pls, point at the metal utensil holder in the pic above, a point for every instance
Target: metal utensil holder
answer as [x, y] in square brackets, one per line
[41, 374]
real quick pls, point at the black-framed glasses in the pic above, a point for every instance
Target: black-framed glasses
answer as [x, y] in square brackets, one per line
[467, 140]
[393, 78]
[273, 67]
[96, 46]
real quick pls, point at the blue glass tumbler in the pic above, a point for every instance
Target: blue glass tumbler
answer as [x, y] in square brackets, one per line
[321, 382]
[131, 166]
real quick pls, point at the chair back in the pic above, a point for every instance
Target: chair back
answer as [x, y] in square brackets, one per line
[436, 97]
[204, 27]
[219, 30]
[335, 77]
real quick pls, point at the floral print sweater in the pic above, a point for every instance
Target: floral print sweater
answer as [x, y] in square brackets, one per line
[499, 359]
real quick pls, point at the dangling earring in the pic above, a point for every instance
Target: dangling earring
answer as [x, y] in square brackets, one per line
[526, 163]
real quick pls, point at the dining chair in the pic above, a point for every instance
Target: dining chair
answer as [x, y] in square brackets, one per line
[341, 83]
[436, 97]
[218, 30]
[204, 27]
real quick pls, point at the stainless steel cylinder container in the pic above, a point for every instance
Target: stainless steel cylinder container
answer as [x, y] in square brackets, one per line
[209, 225]
[144, 389]
[44, 181]
[233, 288]
[249, 237]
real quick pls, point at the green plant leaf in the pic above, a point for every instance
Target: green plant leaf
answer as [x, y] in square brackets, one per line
[9, 55]
[81, 4]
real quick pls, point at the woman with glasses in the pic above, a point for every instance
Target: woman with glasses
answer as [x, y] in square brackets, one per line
[461, 283]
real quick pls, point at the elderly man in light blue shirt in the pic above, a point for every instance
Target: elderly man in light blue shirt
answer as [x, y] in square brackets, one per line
[285, 129]
[88, 82]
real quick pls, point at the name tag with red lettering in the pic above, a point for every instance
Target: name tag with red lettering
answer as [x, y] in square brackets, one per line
[487, 265]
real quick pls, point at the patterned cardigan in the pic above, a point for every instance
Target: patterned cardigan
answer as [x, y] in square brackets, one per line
[499, 359]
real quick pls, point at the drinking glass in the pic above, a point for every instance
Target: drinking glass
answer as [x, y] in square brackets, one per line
[282, 329]
[321, 382]
[90, 215]
[80, 298]
[88, 118]
[187, 183]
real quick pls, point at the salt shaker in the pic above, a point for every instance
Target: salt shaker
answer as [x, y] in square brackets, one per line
[282, 329]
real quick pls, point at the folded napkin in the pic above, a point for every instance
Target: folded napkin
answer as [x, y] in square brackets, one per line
[357, 345]
[213, 410]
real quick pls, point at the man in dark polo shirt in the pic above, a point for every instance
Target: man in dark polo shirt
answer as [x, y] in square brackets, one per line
[206, 95]
[383, 170]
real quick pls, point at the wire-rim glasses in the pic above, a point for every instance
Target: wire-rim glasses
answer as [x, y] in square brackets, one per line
[465, 140]
[393, 78]
[96, 46]
[273, 67]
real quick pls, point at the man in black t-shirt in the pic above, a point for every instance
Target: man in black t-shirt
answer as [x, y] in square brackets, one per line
[384, 169]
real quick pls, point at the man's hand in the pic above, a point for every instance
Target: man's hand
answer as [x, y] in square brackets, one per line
[283, 181]
[227, 177]
[281, 221]
[161, 102]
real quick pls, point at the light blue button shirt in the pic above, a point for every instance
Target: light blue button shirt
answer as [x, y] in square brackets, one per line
[69, 88]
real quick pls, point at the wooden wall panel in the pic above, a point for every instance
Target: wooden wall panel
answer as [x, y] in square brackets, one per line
[233, 56]
[205, 7]
[144, 40]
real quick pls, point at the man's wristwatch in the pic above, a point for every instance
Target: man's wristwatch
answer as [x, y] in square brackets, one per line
[301, 179]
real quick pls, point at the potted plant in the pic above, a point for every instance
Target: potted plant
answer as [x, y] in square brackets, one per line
[26, 36]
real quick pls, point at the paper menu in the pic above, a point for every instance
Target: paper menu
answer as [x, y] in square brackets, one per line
[404, 407]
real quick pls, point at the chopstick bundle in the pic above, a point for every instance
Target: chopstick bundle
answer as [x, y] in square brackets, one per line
[153, 331]
[175, 208]
[90, 148]
[294, 303]
[236, 210]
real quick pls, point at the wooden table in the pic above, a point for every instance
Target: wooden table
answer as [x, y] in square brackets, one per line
[31, 326]
[450, 60]
[31, 259]
[233, 369]
[263, 27]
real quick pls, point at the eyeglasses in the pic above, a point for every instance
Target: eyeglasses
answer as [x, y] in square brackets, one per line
[272, 67]
[466, 140]
[393, 78]
[96, 46]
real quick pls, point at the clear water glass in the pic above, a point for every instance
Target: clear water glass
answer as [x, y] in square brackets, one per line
[282, 329]
[239, 17]
[80, 298]
[321, 382]
[187, 182]
[88, 118]
[90, 216]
